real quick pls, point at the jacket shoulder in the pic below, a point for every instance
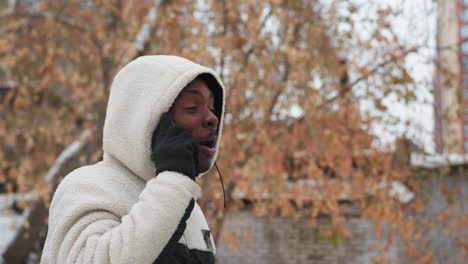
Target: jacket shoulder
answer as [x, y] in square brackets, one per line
[98, 187]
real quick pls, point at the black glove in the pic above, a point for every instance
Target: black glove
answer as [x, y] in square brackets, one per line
[174, 148]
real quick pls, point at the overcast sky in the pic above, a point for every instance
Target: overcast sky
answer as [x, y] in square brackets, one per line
[415, 27]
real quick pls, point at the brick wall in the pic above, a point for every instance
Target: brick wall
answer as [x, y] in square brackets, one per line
[278, 240]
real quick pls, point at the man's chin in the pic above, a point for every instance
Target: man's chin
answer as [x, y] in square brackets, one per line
[204, 168]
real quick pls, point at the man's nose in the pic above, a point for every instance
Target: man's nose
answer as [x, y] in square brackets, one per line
[210, 119]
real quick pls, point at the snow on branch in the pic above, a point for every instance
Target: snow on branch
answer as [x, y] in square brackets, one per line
[143, 36]
[7, 85]
[67, 154]
[147, 27]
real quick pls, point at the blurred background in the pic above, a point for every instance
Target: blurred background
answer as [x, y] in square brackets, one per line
[345, 132]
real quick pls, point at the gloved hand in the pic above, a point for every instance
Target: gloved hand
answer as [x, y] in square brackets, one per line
[174, 148]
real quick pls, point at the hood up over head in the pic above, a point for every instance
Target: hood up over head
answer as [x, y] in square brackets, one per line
[141, 92]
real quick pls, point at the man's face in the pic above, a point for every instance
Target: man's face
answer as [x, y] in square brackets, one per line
[194, 110]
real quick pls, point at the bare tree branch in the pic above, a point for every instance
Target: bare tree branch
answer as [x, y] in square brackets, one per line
[251, 50]
[278, 92]
[365, 77]
[59, 19]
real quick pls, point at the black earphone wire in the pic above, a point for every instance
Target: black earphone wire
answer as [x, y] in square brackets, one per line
[222, 184]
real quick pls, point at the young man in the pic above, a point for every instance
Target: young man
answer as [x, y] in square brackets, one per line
[138, 205]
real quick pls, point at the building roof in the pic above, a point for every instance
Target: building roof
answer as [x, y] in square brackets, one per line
[438, 160]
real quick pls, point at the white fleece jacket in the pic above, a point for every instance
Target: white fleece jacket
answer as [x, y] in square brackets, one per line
[117, 211]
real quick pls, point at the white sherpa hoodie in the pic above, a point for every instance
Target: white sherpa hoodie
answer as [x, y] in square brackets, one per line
[117, 211]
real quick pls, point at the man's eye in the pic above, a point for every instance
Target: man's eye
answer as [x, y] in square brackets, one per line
[191, 109]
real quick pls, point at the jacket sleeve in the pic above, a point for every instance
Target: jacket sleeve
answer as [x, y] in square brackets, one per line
[81, 230]
[168, 251]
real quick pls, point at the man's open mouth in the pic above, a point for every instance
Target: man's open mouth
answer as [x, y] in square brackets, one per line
[208, 144]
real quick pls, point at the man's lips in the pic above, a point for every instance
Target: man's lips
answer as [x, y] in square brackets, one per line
[207, 146]
[209, 151]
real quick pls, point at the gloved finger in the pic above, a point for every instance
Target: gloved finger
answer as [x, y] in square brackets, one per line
[181, 142]
[165, 123]
[195, 153]
[176, 132]
[189, 143]
[185, 133]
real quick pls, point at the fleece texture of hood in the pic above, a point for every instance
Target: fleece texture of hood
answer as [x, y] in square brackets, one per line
[141, 92]
[118, 210]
